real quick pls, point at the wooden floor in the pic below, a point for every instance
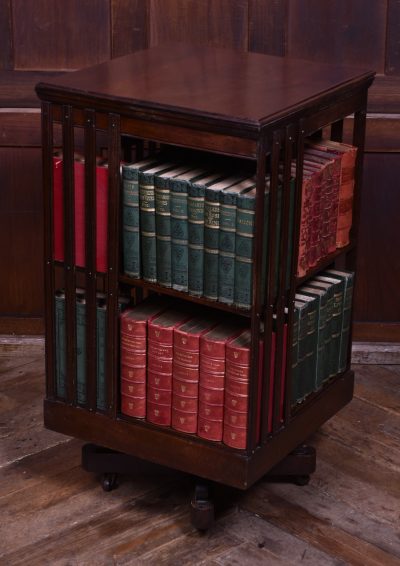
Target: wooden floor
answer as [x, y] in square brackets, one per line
[52, 512]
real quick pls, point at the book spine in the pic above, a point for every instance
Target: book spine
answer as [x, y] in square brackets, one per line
[81, 351]
[61, 359]
[315, 221]
[101, 319]
[195, 239]
[101, 218]
[245, 223]
[79, 204]
[295, 374]
[58, 209]
[179, 235]
[323, 329]
[130, 222]
[148, 227]
[346, 322]
[306, 369]
[211, 245]
[334, 211]
[345, 209]
[211, 397]
[163, 231]
[186, 365]
[328, 335]
[304, 238]
[226, 259]
[337, 321]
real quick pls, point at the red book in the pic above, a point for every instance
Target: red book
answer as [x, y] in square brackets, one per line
[186, 366]
[305, 225]
[212, 379]
[348, 154]
[79, 211]
[160, 357]
[133, 338]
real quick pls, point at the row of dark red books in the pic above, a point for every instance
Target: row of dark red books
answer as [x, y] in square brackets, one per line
[327, 197]
[187, 371]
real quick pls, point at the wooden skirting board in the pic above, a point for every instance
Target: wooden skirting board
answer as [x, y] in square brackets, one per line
[362, 352]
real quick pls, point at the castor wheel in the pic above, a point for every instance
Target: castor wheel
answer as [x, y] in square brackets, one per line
[201, 508]
[109, 482]
[301, 480]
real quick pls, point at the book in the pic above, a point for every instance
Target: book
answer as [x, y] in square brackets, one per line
[338, 285]
[307, 347]
[348, 279]
[321, 297]
[147, 219]
[212, 379]
[101, 345]
[186, 369]
[179, 228]
[211, 235]
[133, 355]
[81, 347]
[160, 365]
[227, 240]
[162, 184]
[329, 353]
[348, 155]
[60, 345]
[195, 202]
[130, 216]
[294, 375]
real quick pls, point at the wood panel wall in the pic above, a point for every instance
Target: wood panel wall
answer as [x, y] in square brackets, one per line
[40, 38]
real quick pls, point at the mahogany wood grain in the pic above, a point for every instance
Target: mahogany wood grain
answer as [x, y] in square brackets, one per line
[6, 51]
[392, 65]
[268, 26]
[67, 34]
[129, 26]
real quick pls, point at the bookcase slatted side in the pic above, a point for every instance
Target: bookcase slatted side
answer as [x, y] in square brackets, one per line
[90, 246]
[47, 156]
[114, 158]
[69, 245]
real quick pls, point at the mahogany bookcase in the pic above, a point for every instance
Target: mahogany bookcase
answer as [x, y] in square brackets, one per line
[245, 105]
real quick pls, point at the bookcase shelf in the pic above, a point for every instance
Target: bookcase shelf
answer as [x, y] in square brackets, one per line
[242, 105]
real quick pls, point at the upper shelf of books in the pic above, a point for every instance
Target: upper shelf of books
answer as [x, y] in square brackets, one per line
[220, 87]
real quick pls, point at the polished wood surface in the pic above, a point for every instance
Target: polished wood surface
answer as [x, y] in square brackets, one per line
[55, 512]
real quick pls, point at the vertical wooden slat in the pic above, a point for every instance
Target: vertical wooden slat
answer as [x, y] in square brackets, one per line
[47, 143]
[252, 429]
[114, 145]
[268, 26]
[282, 299]
[90, 246]
[295, 255]
[69, 240]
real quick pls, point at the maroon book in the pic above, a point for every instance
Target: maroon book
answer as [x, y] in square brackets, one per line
[160, 365]
[133, 356]
[186, 366]
[212, 379]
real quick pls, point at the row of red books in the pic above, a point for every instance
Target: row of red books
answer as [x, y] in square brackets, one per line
[327, 201]
[79, 210]
[188, 372]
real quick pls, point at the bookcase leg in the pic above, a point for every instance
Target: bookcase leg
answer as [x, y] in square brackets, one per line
[202, 506]
[296, 467]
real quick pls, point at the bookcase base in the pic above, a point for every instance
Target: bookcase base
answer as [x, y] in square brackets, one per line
[211, 461]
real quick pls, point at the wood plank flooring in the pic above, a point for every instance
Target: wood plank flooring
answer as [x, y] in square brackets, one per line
[53, 512]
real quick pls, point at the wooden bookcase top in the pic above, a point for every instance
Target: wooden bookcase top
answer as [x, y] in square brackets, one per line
[214, 84]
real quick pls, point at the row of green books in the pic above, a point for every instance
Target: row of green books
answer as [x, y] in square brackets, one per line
[321, 331]
[190, 229]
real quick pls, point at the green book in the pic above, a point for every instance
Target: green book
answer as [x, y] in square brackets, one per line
[211, 235]
[81, 348]
[196, 198]
[130, 216]
[308, 327]
[337, 319]
[321, 297]
[227, 239]
[179, 227]
[147, 210]
[329, 346]
[101, 344]
[348, 279]
[295, 392]
[163, 223]
[61, 348]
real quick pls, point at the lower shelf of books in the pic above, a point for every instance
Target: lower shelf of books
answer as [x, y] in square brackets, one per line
[191, 454]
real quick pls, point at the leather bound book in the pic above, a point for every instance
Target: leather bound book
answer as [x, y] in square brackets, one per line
[303, 262]
[212, 379]
[186, 366]
[160, 351]
[133, 355]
